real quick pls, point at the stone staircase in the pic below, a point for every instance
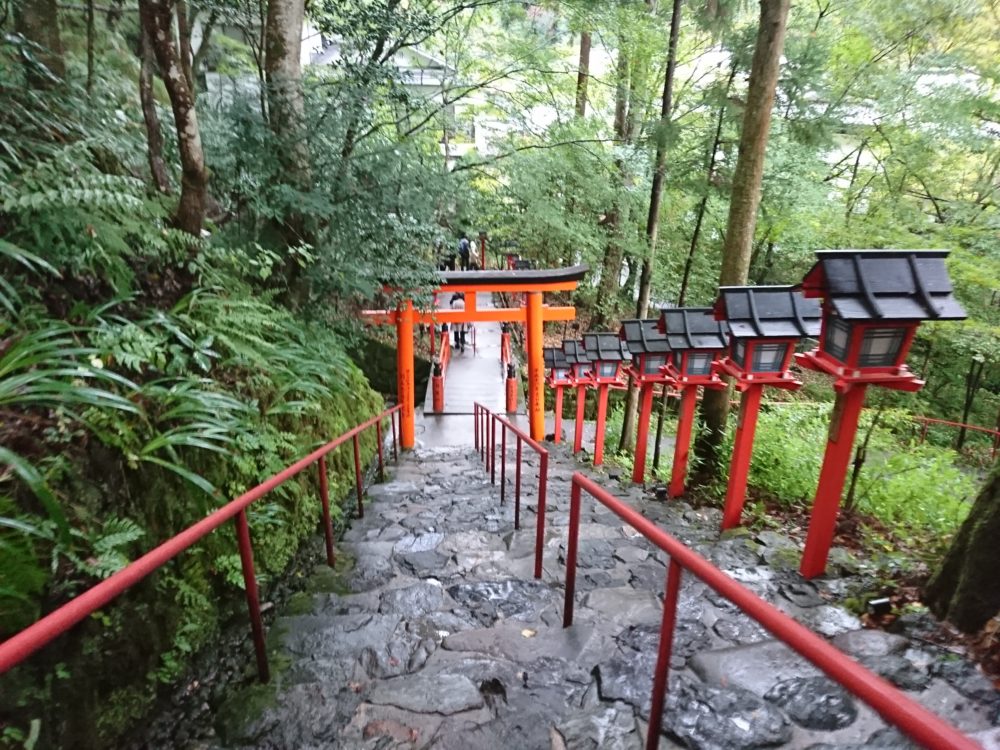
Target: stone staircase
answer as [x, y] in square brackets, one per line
[433, 634]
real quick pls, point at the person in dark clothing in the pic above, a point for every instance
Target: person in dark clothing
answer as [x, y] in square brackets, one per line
[464, 251]
[458, 303]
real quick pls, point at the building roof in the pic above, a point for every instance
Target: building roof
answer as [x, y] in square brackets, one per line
[575, 352]
[884, 284]
[554, 358]
[644, 337]
[605, 347]
[693, 328]
[768, 312]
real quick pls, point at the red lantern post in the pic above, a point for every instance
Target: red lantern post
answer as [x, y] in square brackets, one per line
[559, 378]
[576, 358]
[696, 339]
[608, 356]
[873, 303]
[765, 323]
[650, 355]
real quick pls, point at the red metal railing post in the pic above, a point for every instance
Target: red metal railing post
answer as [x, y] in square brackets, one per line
[475, 426]
[503, 465]
[493, 449]
[324, 495]
[517, 486]
[662, 671]
[543, 480]
[357, 477]
[392, 419]
[574, 532]
[381, 459]
[253, 598]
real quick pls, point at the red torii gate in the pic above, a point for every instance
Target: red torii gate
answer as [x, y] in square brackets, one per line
[533, 284]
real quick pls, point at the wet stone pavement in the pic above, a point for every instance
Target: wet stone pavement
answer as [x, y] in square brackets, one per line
[437, 636]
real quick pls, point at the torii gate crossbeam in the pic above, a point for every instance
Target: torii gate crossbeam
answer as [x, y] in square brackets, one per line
[532, 284]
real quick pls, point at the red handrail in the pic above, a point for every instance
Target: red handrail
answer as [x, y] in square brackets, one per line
[21, 645]
[909, 716]
[485, 423]
[927, 421]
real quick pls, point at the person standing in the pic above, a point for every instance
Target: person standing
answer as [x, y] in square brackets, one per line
[464, 251]
[458, 303]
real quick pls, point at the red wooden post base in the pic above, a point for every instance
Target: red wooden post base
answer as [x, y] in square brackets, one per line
[511, 395]
[581, 401]
[558, 425]
[682, 447]
[739, 467]
[602, 413]
[642, 432]
[843, 427]
[437, 393]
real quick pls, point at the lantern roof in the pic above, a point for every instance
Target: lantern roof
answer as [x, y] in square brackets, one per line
[644, 337]
[575, 353]
[524, 264]
[554, 358]
[768, 312]
[605, 347]
[693, 328]
[884, 284]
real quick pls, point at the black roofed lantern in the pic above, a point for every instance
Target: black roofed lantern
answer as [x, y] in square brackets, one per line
[560, 376]
[696, 339]
[608, 357]
[765, 324]
[650, 356]
[579, 365]
[558, 366]
[873, 303]
[649, 349]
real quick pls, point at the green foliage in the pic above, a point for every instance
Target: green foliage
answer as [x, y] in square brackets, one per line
[916, 490]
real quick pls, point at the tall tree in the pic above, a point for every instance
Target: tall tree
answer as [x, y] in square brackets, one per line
[38, 22]
[583, 74]
[283, 68]
[653, 217]
[156, 17]
[965, 589]
[744, 201]
[614, 251]
[147, 101]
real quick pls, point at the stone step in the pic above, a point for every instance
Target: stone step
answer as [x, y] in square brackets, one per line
[437, 636]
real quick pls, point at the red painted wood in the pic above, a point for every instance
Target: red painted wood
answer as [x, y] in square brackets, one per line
[836, 459]
[642, 432]
[739, 466]
[581, 401]
[602, 413]
[678, 473]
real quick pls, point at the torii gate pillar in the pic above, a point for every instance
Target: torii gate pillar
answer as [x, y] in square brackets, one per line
[405, 385]
[536, 368]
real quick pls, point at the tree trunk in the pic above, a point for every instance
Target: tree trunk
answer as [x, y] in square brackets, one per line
[90, 46]
[709, 172]
[157, 20]
[184, 44]
[282, 61]
[973, 379]
[154, 136]
[653, 217]
[583, 75]
[38, 22]
[611, 266]
[965, 590]
[744, 201]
